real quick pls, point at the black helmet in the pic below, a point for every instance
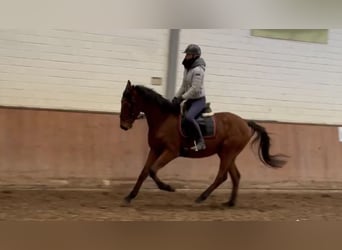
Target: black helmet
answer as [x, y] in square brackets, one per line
[193, 49]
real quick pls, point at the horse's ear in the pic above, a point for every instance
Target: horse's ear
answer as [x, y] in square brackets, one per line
[129, 85]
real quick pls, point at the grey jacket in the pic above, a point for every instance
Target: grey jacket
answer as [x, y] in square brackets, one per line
[192, 86]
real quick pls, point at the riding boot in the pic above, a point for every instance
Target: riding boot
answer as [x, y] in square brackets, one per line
[199, 143]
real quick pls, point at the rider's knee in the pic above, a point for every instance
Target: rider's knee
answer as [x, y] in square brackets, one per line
[188, 118]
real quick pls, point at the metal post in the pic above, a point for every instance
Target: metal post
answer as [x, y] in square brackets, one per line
[172, 63]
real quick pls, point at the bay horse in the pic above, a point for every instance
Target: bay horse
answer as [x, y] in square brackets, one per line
[166, 141]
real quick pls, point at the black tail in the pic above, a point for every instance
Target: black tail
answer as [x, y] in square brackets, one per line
[264, 147]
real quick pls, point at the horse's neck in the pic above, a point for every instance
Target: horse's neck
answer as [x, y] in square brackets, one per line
[155, 117]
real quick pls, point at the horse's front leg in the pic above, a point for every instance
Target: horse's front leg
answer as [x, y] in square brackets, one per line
[151, 167]
[168, 156]
[152, 157]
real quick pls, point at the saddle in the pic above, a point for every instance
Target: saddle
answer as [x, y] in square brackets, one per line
[205, 120]
[206, 112]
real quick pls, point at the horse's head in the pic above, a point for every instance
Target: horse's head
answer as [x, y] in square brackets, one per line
[130, 108]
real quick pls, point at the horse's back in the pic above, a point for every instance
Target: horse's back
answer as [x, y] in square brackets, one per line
[232, 124]
[230, 117]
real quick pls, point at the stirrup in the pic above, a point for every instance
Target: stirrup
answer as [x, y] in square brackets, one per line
[199, 146]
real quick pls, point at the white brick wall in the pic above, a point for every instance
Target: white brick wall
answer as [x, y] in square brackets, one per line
[268, 79]
[65, 69]
[257, 78]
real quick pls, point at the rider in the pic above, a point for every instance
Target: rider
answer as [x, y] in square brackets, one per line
[192, 90]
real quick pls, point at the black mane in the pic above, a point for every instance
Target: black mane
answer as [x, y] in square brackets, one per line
[155, 98]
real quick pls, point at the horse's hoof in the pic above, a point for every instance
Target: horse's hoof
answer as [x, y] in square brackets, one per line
[170, 189]
[167, 188]
[229, 204]
[199, 199]
[127, 200]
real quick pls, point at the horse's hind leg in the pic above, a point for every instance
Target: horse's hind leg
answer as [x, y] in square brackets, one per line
[220, 178]
[235, 175]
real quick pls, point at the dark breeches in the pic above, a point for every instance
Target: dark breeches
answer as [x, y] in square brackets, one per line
[195, 107]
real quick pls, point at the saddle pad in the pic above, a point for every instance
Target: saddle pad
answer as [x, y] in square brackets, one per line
[207, 125]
